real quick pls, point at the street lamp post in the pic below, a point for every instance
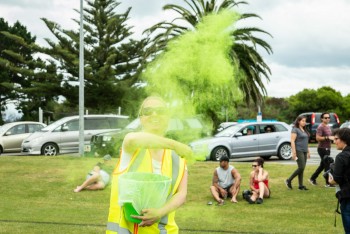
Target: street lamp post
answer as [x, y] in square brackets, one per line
[81, 82]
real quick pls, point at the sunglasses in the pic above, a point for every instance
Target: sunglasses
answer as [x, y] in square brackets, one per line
[148, 111]
[326, 117]
[254, 165]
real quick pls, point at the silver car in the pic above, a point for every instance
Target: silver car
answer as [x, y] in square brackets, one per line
[250, 139]
[62, 136]
[12, 134]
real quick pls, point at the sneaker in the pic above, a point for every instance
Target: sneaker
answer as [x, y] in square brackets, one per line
[288, 184]
[303, 188]
[313, 182]
[259, 201]
[329, 186]
[249, 200]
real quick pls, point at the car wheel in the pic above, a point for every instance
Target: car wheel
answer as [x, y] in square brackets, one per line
[285, 151]
[266, 157]
[218, 152]
[1, 150]
[49, 149]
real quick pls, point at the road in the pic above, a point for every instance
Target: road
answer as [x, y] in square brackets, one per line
[315, 159]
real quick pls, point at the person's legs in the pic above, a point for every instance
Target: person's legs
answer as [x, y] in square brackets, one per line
[345, 215]
[263, 190]
[96, 186]
[89, 181]
[321, 152]
[254, 196]
[297, 171]
[302, 157]
[214, 191]
[234, 190]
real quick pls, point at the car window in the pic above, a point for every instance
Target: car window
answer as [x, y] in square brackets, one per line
[175, 124]
[280, 128]
[98, 123]
[18, 129]
[117, 122]
[229, 131]
[72, 125]
[194, 123]
[248, 130]
[34, 127]
[266, 128]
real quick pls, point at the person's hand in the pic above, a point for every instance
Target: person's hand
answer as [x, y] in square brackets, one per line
[223, 192]
[184, 151]
[308, 155]
[148, 217]
[331, 138]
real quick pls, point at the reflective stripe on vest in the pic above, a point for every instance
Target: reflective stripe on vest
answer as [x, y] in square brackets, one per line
[114, 227]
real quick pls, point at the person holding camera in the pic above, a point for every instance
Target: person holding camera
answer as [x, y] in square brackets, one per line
[341, 174]
[259, 183]
[300, 151]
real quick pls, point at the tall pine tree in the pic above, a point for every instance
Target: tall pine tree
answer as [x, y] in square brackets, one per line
[112, 60]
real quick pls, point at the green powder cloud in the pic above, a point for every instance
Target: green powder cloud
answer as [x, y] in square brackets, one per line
[196, 69]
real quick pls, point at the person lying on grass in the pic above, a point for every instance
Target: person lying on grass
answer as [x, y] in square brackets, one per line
[98, 177]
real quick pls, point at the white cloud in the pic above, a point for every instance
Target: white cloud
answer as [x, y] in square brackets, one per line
[310, 37]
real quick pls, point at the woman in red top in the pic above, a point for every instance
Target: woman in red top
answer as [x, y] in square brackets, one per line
[259, 182]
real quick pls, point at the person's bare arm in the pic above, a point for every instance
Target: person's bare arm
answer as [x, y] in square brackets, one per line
[251, 182]
[235, 174]
[292, 144]
[135, 140]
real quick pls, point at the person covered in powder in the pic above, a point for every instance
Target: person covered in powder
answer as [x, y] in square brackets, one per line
[226, 182]
[149, 151]
[98, 177]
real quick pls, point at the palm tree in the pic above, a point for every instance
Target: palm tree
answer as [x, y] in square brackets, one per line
[244, 49]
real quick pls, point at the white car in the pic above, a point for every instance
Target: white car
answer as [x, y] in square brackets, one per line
[62, 136]
[250, 139]
[12, 135]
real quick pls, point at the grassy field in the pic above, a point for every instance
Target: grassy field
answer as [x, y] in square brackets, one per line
[37, 197]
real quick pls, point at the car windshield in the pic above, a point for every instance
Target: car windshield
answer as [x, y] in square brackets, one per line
[1, 129]
[53, 125]
[229, 131]
[134, 124]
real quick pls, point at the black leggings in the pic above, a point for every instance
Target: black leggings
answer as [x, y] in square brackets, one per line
[302, 157]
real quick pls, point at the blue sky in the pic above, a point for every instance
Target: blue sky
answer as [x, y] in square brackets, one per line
[311, 38]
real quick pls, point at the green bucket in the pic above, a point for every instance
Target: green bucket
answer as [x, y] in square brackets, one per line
[142, 190]
[129, 210]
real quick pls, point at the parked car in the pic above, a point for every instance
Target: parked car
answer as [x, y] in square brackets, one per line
[235, 142]
[62, 136]
[313, 120]
[12, 134]
[225, 125]
[184, 130]
[345, 125]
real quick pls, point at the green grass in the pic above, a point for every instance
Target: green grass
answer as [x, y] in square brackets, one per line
[37, 197]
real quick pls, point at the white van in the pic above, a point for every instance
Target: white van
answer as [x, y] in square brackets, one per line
[62, 136]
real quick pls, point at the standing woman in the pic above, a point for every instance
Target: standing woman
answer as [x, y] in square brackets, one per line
[341, 174]
[150, 151]
[300, 151]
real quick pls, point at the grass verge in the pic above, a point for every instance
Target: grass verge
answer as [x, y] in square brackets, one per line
[37, 197]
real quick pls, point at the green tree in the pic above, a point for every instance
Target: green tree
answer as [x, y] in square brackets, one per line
[244, 49]
[112, 60]
[24, 78]
[320, 100]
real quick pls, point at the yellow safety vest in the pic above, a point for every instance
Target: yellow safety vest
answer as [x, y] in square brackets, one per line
[172, 166]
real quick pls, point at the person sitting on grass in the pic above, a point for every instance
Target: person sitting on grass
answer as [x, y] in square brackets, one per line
[259, 182]
[98, 178]
[226, 182]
